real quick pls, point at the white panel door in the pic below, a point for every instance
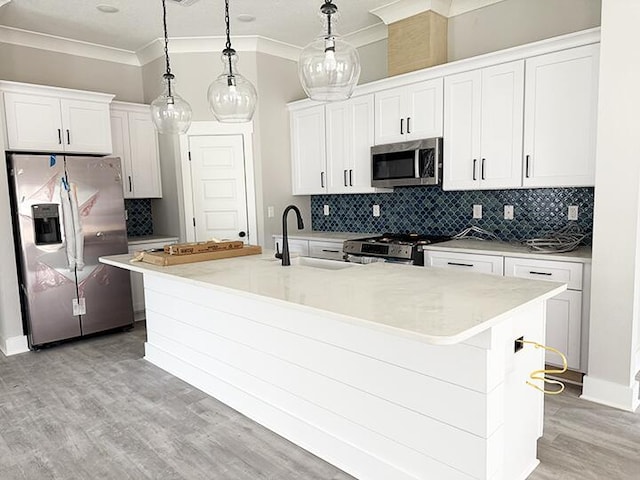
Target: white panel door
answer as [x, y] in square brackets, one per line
[424, 110]
[501, 126]
[390, 108]
[218, 183]
[120, 144]
[308, 151]
[462, 116]
[34, 122]
[349, 140]
[561, 99]
[145, 166]
[87, 126]
[564, 318]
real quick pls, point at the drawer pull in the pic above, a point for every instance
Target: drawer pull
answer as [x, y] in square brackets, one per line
[331, 251]
[541, 273]
[460, 264]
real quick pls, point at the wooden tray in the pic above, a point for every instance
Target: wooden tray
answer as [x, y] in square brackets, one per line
[200, 247]
[164, 259]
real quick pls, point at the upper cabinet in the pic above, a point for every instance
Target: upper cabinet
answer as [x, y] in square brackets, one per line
[135, 141]
[49, 119]
[411, 112]
[331, 147]
[483, 128]
[308, 154]
[560, 118]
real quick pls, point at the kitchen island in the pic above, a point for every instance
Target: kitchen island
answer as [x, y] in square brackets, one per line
[386, 371]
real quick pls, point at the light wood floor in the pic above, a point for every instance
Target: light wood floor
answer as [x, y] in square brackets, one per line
[95, 409]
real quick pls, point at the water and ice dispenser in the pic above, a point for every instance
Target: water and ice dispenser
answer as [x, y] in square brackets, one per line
[46, 223]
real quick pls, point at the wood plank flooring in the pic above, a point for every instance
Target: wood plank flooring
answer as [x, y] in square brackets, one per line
[94, 409]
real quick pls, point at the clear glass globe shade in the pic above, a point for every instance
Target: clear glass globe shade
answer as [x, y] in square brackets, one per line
[329, 69]
[170, 113]
[232, 98]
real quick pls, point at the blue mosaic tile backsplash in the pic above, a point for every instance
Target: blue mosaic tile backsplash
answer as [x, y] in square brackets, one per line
[430, 210]
[139, 222]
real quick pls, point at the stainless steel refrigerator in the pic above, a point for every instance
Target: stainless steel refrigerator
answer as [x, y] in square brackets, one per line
[67, 212]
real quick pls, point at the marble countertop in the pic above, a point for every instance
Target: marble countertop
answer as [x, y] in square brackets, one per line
[509, 249]
[328, 236]
[436, 306]
[151, 239]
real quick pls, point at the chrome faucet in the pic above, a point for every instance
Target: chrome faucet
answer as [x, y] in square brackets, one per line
[286, 260]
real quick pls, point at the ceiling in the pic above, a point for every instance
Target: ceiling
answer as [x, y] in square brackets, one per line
[139, 22]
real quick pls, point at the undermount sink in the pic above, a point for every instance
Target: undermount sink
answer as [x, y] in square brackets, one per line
[319, 263]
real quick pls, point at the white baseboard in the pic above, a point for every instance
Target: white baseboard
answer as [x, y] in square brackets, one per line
[624, 397]
[14, 345]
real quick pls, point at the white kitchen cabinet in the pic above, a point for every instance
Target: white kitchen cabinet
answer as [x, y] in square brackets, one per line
[308, 151]
[48, 119]
[349, 140]
[135, 141]
[470, 262]
[561, 97]
[297, 246]
[483, 128]
[331, 148]
[564, 312]
[411, 112]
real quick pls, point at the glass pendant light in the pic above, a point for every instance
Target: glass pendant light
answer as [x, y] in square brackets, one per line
[329, 67]
[170, 113]
[232, 98]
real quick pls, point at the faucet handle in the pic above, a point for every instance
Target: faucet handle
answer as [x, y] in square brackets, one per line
[278, 255]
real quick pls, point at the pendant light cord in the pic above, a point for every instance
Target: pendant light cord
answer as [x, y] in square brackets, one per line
[329, 9]
[168, 75]
[228, 51]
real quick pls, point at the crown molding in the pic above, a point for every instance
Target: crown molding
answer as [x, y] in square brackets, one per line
[52, 43]
[367, 35]
[401, 9]
[247, 43]
[4, 2]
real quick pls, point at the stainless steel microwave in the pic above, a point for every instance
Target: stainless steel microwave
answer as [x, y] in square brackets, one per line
[408, 163]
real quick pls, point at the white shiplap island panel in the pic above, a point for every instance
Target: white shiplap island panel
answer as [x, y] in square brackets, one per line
[386, 371]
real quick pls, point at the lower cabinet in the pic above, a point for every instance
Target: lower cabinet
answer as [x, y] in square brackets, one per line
[567, 319]
[326, 249]
[137, 284]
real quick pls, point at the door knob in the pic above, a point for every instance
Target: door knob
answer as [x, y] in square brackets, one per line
[242, 234]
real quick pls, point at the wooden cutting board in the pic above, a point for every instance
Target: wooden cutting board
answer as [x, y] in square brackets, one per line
[201, 247]
[164, 259]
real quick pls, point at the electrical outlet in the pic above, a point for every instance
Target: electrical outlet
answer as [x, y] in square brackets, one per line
[376, 210]
[508, 212]
[325, 210]
[573, 212]
[271, 212]
[477, 211]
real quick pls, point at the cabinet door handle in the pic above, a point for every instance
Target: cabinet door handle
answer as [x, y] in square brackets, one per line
[130, 190]
[408, 125]
[351, 178]
[482, 170]
[460, 264]
[68, 137]
[402, 126]
[541, 273]
[331, 251]
[345, 178]
[475, 162]
[322, 179]
[526, 166]
[59, 136]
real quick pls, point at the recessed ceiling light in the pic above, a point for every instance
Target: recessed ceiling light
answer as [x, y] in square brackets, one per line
[244, 17]
[107, 8]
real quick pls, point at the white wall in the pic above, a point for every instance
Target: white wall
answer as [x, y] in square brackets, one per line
[516, 22]
[373, 61]
[42, 67]
[614, 332]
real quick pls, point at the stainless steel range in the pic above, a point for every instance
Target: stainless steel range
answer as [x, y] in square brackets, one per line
[389, 247]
